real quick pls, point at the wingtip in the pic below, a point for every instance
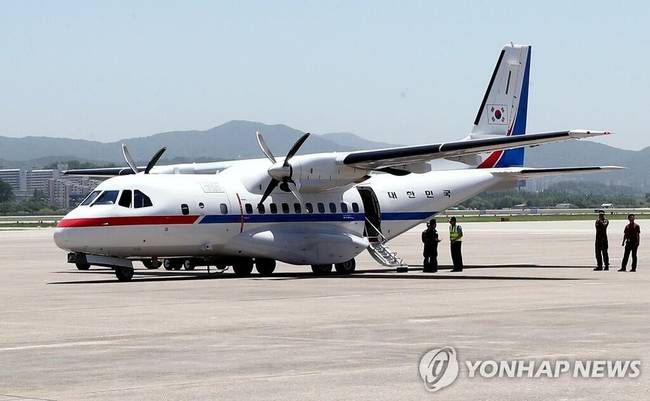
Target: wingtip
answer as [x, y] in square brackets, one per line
[586, 133]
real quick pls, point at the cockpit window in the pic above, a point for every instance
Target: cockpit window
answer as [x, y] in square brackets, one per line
[106, 198]
[90, 198]
[125, 198]
[140, 199]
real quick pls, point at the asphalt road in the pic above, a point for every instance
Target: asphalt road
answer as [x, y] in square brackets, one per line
[528, 293]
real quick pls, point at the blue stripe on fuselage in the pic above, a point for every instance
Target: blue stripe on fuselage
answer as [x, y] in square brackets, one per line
[309, 217]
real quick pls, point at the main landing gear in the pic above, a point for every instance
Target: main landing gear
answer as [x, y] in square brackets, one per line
[124, 273]
[344, 268]
[265, 267]
[153, 263]
[243, 267]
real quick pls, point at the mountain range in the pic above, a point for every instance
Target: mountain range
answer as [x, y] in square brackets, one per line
[236, 139]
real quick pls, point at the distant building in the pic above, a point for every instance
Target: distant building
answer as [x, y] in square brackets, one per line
[60, 191]
[12, 177]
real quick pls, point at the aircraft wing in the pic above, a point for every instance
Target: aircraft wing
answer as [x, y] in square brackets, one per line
[384, 158]
[184, 168]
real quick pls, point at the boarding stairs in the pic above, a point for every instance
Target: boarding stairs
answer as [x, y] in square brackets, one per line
[382, 253]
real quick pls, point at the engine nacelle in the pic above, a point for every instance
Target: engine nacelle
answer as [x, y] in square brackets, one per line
[321, 172]
[311, 173]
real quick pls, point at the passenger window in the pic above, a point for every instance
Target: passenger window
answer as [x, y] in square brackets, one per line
[309, 208]
[332, 207]
[296, 208]
[224, 208]
[90, 198]
[344, 207]
[106, 198]
[125, 199]
[249, 208]
[285, 208]
[274, 208]
[355, 207]
[185, 209]
[321, 207]
[260, 208]
[140, 199]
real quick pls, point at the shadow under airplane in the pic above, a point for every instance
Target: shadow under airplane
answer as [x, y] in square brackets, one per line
[382, 273]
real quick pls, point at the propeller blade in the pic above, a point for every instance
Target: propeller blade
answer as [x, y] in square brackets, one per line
[154, 159]
[274, 183]
[294, 190]
[295, 148]
[265, 149]
[129, 159]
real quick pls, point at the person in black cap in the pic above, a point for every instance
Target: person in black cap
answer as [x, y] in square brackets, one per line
[601, 242]
[430, 240]
[631, 239]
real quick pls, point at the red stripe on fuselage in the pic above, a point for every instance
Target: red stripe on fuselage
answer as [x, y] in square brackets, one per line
[126, 221]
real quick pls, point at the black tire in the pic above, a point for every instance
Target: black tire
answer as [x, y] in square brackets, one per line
[124, 273]
[188, 264]
[346, 267]
[173, 264]
[265, 267]
[82, 266]
[243, 268]
[152, 263]
[321, 270]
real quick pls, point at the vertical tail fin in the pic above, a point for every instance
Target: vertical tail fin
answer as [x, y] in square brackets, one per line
[504, 106]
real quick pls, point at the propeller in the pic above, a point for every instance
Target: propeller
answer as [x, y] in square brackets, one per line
[281, 173]
[150, 165]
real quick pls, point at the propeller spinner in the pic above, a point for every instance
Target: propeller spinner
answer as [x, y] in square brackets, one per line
[281, 174]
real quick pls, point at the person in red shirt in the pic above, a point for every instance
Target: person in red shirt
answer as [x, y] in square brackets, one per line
[631, 238]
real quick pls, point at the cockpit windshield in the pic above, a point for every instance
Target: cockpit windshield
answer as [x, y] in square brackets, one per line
[90, 198]
[140, 199]
[106, 198]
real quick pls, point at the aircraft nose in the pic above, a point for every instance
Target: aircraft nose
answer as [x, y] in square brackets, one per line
[62, 237]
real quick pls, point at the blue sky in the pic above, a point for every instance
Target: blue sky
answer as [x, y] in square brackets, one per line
[402, 72]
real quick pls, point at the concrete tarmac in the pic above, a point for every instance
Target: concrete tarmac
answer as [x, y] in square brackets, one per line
[528, 292]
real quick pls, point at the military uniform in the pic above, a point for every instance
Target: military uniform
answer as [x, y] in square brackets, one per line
[601, 244]
[430, 252]
[631, 239]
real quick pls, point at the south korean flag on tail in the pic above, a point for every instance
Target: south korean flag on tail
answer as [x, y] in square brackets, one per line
[497, 114]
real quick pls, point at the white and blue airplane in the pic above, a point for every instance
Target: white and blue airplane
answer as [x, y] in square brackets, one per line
[319, 209]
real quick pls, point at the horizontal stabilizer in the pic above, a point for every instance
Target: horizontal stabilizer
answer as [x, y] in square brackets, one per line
[530, 172]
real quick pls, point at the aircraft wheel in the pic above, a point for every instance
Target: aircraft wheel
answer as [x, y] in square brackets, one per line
[265, 267]
[82, 266]
[188, 264]
[124, 273]
[172, 264]
[243, 268]
[152, 263]
[346, 267]
[321, 270]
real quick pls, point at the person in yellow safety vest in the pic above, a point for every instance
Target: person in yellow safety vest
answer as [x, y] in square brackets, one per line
[456, 240]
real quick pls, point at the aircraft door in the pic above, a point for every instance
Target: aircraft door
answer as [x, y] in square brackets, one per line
[371, 211]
